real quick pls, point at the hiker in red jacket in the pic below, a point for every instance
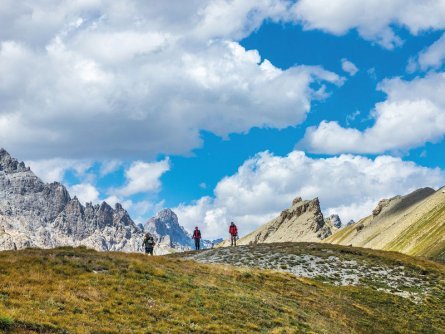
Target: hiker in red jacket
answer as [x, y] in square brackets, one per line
[233, 233]
[197, 237]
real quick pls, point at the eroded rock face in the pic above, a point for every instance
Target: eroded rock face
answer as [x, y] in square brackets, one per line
[334, 220]
[303, 221]
[380, 206]
[35, 214]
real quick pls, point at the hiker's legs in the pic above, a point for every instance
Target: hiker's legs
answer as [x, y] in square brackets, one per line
[150, 251]
[196, 244]
[233, 240]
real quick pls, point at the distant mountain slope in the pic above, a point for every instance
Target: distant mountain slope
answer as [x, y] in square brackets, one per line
[169, 233]
[413, 224]
[303, 221]
[35, 214]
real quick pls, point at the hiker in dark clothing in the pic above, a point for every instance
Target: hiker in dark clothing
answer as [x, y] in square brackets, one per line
[197, 237]
[149, 244]
[233, 233]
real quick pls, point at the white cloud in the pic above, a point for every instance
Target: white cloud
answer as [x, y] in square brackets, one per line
[85, 192]
[412, 115]
[143, 177]
[132, 79]
[348, 67]
[432, 57]
[266, 184]
[108, 167]
[51, 170]
[373, 19]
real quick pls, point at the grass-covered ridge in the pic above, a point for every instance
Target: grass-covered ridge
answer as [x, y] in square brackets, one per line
[82, 291]
[411, 224]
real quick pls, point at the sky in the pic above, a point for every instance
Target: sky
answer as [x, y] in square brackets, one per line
[226, 110]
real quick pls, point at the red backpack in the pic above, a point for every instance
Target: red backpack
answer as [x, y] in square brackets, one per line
[197, 234]
[233, 230]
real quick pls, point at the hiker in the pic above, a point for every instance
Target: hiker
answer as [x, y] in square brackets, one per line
[149, 243]
[197, 237]
[233, 233]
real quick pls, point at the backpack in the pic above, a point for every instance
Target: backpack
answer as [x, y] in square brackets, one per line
[149, 242]
[197, 234]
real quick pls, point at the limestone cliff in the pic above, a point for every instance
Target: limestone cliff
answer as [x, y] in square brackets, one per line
[35, 214]
[303, 221]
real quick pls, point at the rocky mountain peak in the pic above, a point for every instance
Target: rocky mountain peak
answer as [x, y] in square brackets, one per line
[334, 220]
[10, 165]
[296, 200]
[164, 224]
[35, 214]
[299, 207]
[167, 214]
[118, 207]
[303, 221]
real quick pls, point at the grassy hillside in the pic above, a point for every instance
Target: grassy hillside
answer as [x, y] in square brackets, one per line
[82, 291]
[407, 226]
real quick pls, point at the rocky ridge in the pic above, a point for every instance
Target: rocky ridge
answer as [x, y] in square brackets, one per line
[334, 220]
[35, 214]
[413, 224]
[303, 221]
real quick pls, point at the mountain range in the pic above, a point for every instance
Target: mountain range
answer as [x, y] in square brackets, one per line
[413, 224]
[35, 214]
[40, 215]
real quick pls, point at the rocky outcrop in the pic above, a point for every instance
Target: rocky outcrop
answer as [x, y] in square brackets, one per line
[334, 221]
[303, 221]
[35, 214]
[381, 205]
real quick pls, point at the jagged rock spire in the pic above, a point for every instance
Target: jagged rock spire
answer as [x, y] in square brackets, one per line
[10, 165]
[44, 215]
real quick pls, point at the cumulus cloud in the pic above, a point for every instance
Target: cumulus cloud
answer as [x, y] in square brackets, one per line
[348, 67]
[131, 79]
[51, 170]
[373, 19]
[143, 177]
[431, 58]
[85, 192]
[412, 115]
[266, 184]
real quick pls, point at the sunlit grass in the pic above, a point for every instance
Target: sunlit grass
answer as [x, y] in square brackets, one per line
[82, 291]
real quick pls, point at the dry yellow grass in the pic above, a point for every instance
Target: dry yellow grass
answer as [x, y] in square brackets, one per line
[82, 291]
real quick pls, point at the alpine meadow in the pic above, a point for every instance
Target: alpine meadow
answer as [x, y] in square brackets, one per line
[222, 166]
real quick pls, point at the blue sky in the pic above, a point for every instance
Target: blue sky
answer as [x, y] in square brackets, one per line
[226, 110]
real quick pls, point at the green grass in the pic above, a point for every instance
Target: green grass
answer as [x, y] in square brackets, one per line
[81, 291]
[427, 234]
